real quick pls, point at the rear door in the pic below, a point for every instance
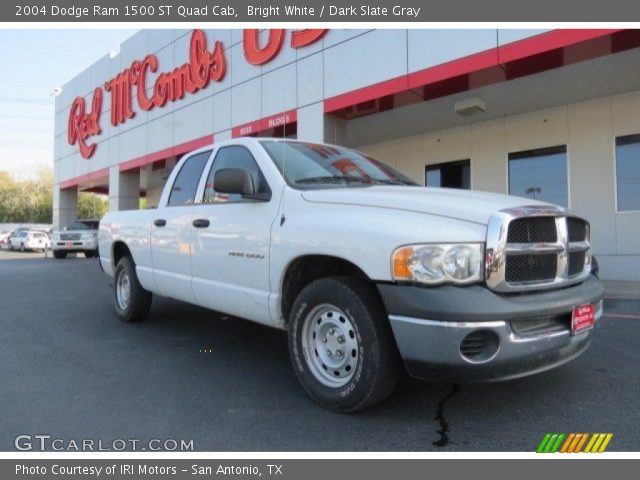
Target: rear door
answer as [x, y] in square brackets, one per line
[230, 245]
[171, 230]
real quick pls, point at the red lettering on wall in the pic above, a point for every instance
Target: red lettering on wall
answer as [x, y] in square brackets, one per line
[83, 124]
[302, 38]
[257, 55]
[203, 67]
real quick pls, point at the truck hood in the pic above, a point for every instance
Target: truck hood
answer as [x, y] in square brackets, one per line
[466, 205]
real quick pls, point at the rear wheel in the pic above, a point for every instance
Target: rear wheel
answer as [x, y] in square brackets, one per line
[341, 345]
[132, 302]
[59, 254]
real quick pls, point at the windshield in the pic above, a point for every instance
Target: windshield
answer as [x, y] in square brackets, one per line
[308, 165]
[83, 225]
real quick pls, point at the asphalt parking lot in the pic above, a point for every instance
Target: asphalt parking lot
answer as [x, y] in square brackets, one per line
[71, 369]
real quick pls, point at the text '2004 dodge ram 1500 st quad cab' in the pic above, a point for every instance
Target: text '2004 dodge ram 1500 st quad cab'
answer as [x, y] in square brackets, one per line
[365, 269]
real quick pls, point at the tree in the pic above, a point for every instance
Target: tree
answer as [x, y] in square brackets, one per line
[91, 205]
[31, 200]
[26, 201]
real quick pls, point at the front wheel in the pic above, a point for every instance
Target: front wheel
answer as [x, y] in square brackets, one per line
[90, 253]
[59, 254]
[132, 302]
[341, 344]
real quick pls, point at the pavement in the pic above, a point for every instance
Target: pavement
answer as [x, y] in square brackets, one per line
[71, 369]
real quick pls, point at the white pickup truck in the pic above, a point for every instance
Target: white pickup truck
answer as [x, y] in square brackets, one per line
[366, 270]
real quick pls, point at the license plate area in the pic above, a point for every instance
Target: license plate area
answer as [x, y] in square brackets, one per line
[68, 244]
[582, 318]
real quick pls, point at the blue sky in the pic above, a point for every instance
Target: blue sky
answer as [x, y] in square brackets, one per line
[32, 64]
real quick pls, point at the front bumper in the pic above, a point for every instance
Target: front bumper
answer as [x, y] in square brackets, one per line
[74, 245]
[430, 324]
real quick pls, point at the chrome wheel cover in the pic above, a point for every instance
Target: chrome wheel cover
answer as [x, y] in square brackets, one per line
[330, 345]
[123, 290]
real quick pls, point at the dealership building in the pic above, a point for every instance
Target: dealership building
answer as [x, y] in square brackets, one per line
[545, 114]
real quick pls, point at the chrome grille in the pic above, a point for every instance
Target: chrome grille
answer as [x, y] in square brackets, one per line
[536, 247]
[531, 268]
[576, 229]
[532, 229]
[69, 236]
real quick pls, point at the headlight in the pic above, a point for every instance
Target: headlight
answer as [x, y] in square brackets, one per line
[459, 263]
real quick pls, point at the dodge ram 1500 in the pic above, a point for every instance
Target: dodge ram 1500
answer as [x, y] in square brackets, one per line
[367, 271]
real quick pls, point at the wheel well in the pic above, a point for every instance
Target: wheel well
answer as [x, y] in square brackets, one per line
[120, 250]
[304, 270]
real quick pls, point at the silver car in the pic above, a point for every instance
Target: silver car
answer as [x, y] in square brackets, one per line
[80, 236]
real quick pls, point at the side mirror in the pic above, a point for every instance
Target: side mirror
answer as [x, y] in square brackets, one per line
[233, 180]
[237, 181]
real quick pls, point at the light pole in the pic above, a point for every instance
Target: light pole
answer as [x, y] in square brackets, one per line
[533, 191]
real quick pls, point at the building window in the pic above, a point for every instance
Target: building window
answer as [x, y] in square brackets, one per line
[449, 175]
[628, 172]
[540, 174]
[185, 185]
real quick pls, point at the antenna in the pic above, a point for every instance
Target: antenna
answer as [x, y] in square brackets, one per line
[284, 154]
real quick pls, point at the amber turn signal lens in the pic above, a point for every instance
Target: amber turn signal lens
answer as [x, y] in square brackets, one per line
[401, 264]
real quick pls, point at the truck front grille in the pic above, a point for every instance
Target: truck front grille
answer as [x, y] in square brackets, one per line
[576, 263]
[536, 247]
[531, 268]
[532, 229]
[69, 236]
[576, 229]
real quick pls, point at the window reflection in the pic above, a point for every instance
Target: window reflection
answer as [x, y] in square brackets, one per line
[540, 174]
[449, 175]
[628, 172]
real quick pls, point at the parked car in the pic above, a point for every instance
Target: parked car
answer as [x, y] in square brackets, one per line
[363, 267]
[80, 236]
[4, 238]
[30, 240]
[14, 234]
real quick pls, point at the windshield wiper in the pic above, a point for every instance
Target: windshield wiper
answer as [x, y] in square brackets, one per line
[333, 179]
[391, 182]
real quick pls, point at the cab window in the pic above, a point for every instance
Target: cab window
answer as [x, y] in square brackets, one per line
[235, 156]
[185, 185]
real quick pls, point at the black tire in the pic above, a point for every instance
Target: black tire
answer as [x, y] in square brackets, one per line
[139, 303]
[59, 254]
[90, 253]
[376, 373]
[22, 249]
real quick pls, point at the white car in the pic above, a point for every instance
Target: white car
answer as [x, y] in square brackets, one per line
[30, 240]
[4, 238]
[80, 236]
[365, 269]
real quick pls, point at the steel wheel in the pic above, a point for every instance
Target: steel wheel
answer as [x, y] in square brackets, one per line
[330, 345]
[123, 290]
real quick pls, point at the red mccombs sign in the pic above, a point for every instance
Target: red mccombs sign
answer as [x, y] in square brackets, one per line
[204, 66]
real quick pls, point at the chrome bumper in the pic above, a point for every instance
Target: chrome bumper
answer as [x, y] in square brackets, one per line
[432, 349]
[76, 245]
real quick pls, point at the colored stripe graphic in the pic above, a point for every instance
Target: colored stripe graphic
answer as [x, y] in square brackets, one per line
[550, 443]
[573, 443]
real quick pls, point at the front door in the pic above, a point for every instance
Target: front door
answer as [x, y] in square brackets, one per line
[230, 243]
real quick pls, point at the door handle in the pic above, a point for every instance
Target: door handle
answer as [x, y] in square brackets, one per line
[201, 223]
[159, 222]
